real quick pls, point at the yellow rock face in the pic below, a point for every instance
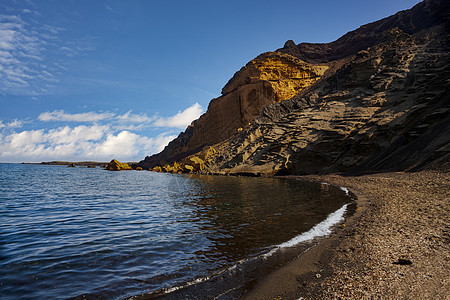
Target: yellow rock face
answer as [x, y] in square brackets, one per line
[271, 77]
[287, 75]
[191, 164]
[157, 169]
[198, 163]
[115, 165]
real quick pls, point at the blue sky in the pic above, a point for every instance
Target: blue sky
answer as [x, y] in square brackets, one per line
[96, 80]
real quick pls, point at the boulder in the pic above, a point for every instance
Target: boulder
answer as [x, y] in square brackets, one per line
[156, 169]
[115, 165]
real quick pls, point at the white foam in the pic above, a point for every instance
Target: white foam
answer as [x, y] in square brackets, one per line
[321, 229]
[345, 189]
[195, 281]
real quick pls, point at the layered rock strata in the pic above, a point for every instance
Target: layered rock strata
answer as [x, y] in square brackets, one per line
[269, 78]
[387, 109]
[375, 99]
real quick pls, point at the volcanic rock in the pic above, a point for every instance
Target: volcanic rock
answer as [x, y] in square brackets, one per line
[269, 78]
[377, 99]
[115, 165]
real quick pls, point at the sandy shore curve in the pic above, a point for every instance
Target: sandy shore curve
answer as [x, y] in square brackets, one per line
[396, 245]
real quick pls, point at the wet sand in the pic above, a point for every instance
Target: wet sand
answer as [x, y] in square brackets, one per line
[396, 246]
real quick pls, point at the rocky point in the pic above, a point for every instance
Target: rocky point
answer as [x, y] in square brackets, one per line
[377, 99]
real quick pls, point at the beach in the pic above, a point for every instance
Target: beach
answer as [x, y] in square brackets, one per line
[396, 245]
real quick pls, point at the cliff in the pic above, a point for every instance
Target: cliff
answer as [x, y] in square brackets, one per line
[375, 99]
[269, 78]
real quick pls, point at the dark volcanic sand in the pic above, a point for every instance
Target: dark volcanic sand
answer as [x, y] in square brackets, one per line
[395, 247]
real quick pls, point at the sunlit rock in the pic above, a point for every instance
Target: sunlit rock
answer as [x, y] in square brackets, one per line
[115, 165]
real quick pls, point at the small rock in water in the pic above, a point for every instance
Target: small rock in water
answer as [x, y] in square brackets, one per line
[403, 262]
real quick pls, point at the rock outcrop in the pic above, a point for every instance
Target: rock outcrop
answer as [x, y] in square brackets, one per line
[376, 99]
[115, 165]
[387, 109]
[420, 18]
[269, 78]
[192, 164]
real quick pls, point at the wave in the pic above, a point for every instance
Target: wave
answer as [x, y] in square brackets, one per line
[345, 190]
[321, 229]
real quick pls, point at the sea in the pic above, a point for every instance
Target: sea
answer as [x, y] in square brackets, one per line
[88, 233]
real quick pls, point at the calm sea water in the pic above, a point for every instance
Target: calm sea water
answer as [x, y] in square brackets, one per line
[90, 233]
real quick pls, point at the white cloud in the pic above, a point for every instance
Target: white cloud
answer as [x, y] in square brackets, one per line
[128, 120]
[15, 124]
[182, 119]
[11, 125]
[134, 118]
[61, 116]
[20, 56]
[29, 52]
[52, 29]
[105, 135]
[67, 135]
[101, 143]
[129, 144]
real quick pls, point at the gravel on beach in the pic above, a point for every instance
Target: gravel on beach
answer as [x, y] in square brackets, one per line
[396, 247]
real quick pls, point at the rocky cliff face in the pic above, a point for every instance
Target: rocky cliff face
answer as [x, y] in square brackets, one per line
[269, 78]
[420, 18]
[375, 99]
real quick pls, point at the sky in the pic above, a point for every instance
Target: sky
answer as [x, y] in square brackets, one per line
[96, 80]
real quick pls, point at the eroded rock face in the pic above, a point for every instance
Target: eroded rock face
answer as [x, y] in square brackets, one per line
[192, 164]
[422, 17]
[387, 108]
[376, 99]
[286, 74]
[269, 78]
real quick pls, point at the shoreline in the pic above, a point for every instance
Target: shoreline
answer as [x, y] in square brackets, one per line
[398, 234]
[253, 267]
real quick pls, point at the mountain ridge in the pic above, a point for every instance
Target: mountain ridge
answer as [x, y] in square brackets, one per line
[374, 99]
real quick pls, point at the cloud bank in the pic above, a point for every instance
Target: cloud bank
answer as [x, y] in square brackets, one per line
[182, 119]
[61, 116]
[33, 53]
[99, 143]
[23, 66]
[105, 135]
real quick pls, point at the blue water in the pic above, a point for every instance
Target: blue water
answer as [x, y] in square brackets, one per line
[82, 232]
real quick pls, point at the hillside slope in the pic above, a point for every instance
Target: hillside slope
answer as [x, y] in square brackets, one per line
[375, 99]
[269, 78]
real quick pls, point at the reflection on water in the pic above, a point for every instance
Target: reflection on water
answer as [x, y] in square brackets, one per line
[243, 216]
[78, 232]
